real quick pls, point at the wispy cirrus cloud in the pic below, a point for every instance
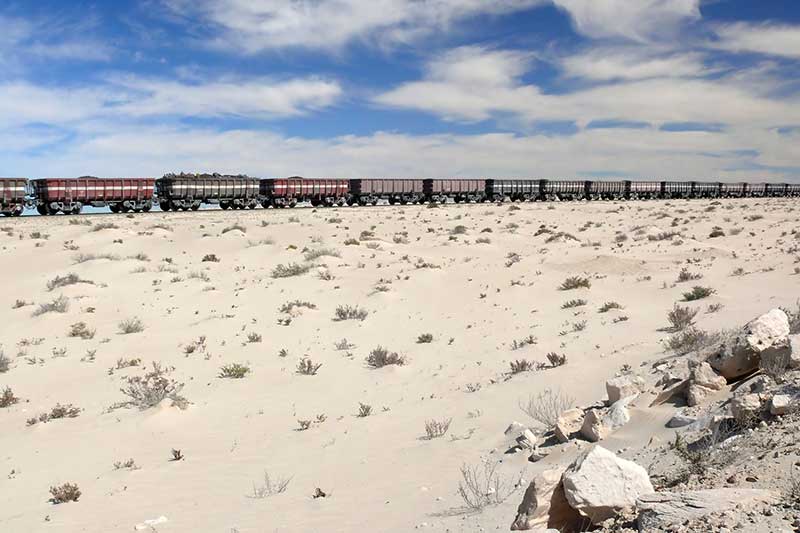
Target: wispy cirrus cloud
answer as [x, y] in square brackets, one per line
[763, 38]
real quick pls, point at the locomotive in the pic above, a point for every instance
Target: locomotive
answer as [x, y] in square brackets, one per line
[174, 192]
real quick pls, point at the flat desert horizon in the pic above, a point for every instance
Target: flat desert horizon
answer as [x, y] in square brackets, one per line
[347, 369]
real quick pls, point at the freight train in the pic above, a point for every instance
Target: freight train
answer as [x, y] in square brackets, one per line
[174, 192]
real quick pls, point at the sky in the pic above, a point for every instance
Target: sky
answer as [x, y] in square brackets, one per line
[675, 89]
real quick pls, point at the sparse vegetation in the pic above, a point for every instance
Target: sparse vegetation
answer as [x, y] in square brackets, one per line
[59, 305]
[104, 225]
[290, 269]
[685, 275]
[522, 365]
[81, 330]
[380, 357]
[573, 303]
[608, 306]
[7, 399]
[425, 338]
[307, 367]
[151, 389]
[130, 325]
[270, 487]
[311, 255]
[5, 362]
[546, 406]
[210, 258]
[234, 227]
[253, 337]
[681, 317]
[556, 359]
[234, 371]
[347, 312]
[575, 282]
[483, 486]
[288, 307]
[698, 293]
[364, 410]
[56, 413]
[67, 492]
[437, 428]
[64, 281]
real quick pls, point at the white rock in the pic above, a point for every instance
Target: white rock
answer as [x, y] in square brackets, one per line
[515, 429]
[745, 407]
[660, 510]
[780, 404]
[618, 414]
[623, 386]
[599, 484]
[593, 428]
[679, 420]
[769, 331]
[544, 505]
[568, 423]
[701, 373]
[150, 524]
[794, 356]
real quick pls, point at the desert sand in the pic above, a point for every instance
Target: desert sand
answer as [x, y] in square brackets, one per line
[482, 280]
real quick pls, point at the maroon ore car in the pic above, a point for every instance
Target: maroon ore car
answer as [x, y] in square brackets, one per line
[284, 192]
[461, 190]
[12, 196]
[403, 191]
[54, 195]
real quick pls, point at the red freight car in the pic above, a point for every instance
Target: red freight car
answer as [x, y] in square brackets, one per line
[54, 195]
[461, 190]
[289, 191]
[401, 191]
[12, 196]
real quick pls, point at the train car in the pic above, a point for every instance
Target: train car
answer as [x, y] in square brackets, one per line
[521, 190]
[793, 190]
[706, 189]
[606, 190]
[60, 195]
[565, 190]
[775, 189]
[756, 190]
[402, 191]
[676, 189]
[733, 190]
[283, 192]
[460, 190]
[12, 196]
[642, 190]
[189, 191]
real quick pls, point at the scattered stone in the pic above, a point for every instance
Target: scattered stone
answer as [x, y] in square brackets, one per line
[745, 407]
[568, 423]
[740, 354]
[794, 349]
[780, 404]
[680, 419]
[599, 484]
[593, 428]
[544, 505]
[618, 414]
[624, 386]
[664, 509]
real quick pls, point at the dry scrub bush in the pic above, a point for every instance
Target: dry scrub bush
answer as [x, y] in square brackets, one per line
[364, 410]
[573, 303]
[608, 306]
[681, 318]
[253, 337]
[556, 359]
[104, 225]
[690, 340]
[8, 399]
[130, 325]
[546, 406]
[521, 365]
[57, 412]
[289, 270]
[234, 371]
[289, 306]
[59, 305]
[5, 362]
[437, 428]
[698, 293]
[151, 389]
[81, 330]
[483, 486]
[347, 312]
[270, 487]
[321, 252]
[307, 367]
[64, 281]
[210, 258]
[68, 492]
[685, 275]
[425, 338]
[380, 357]
[575, 282]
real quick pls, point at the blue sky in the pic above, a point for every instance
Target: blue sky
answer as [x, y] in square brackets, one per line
[528, 88]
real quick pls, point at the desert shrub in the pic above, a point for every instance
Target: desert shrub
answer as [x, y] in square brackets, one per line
[83, 258]
[63, 281]
[130, 325]
[681, 317]
[152, 388]
[794, 318]
[556, 359]
[80, 222]
[425, 338]
[210, 258]
[459, 230]
[198, 274]
[253, 337]
[343, 345]
[546, 406]
[527, 341]
[575, 282]
[321, 252]
[608, 306]
[289, 270]
[307, 367]
[141, 256]
[380, 357]
[698, 293]
[289, 306]
[104, 225]
[483, 240]
[573, 303]
[685, 275]
[81, 330]
[437, 428]
[483, 486]
[7, 398]
[716, 232]
[663, 236]
[129, 464]
[579, 326]
[351, 242]
[233, 371]
[123, 363]
[5, 362]
[19, 303]
[522, 365]
[512, 258]
[57, 412]
[59, 305]
[270, 487]
[689, 340]
[68, 492]
[235, 227]
[364, 410]
[347, 312]
[165, 227]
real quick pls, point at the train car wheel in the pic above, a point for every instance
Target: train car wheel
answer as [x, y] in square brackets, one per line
[195, 207]
[41, 209]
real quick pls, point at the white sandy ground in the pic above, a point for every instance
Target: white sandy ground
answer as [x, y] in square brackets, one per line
[377, 471]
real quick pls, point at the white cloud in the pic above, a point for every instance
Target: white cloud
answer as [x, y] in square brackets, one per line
[656, 100]
[771, 39]
[256, 25]
[628, 63]
[638, 20]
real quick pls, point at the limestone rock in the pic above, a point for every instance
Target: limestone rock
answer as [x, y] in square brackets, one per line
[701, 373]
[623, 386]
[680, 419]
[568, 423]
[780, 404]
[660, 510]
[544, 505]
[770, 331]
[794, 356]
[618, 414]
[766, 336]
[745, 407]
[599, 484]
[593, 428]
